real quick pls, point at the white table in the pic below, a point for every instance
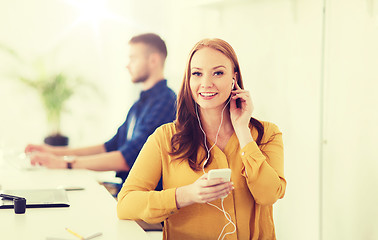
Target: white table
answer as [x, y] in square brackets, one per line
[92, 210]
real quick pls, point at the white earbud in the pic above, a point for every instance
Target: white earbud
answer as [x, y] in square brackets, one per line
[233, 84]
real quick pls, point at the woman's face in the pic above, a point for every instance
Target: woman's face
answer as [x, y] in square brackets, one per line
[211, 78]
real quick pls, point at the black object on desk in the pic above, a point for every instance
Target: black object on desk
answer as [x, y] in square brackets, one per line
[19, 205]
[18, 202]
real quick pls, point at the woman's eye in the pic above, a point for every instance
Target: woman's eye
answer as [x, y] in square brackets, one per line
[219, 73]
[196, 73]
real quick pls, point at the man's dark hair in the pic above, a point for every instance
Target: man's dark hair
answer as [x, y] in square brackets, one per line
[152, 40]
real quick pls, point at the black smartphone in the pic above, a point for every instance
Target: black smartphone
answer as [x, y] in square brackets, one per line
[238, 103]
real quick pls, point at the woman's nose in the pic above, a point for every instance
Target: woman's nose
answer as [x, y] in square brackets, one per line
[207, 81]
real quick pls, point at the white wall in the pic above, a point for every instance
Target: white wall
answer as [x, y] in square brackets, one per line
[350, 163]
[323, 100]
[45, 29]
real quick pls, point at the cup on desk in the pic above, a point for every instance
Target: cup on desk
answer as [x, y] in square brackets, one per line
[19, 205]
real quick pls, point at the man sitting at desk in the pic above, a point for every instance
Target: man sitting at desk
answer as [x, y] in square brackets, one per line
[156, 106]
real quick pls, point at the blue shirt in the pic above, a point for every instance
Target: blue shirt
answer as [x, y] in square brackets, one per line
[155, 107]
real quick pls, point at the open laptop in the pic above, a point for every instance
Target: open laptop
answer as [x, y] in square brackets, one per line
[37, 198]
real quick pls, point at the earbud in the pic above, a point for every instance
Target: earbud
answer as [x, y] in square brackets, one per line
[233, 83]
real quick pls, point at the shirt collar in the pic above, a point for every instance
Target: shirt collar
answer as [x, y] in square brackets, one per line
[156, 89]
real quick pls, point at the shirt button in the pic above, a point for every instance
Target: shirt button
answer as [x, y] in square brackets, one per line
[243, 153]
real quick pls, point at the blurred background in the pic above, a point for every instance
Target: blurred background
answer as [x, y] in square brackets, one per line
[311, 67]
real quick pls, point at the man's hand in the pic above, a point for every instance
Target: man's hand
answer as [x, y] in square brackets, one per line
[48, 160]
[38, 148]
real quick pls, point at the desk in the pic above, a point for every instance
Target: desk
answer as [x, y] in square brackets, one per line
[92, 210]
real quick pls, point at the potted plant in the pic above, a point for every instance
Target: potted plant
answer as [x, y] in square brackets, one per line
[54, 91]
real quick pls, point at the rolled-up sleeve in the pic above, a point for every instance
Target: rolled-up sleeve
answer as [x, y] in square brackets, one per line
[154, 114]
[149, 113]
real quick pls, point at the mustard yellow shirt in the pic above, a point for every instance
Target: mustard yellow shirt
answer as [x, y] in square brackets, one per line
[257, 174]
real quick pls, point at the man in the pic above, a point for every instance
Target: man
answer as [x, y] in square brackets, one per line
[156, 106]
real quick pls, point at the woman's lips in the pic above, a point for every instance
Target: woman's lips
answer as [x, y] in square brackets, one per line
[208, 95]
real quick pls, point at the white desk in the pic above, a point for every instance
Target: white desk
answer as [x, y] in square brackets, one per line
[92, 210]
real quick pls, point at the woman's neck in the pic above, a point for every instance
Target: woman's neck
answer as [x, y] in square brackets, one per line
[211, 120]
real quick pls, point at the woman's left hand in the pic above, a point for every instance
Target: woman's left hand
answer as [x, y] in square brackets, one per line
[240, 116]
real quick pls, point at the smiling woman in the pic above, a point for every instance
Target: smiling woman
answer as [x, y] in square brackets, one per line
[178, 153]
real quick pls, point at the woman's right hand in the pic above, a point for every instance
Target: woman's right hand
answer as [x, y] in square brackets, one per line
[203, 190]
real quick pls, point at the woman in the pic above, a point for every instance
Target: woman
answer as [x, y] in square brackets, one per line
[213, 129]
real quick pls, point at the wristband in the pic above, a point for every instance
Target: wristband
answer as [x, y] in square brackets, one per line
[70, 160]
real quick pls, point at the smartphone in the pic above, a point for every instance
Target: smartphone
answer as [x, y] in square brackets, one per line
[238, 103]
[224, 173]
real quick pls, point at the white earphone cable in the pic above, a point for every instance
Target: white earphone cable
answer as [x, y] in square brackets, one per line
[216, 136]
[226, 214]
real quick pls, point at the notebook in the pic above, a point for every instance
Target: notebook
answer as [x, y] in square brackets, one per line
[37, 198]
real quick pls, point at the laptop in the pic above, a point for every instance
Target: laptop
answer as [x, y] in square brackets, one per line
[37, 198]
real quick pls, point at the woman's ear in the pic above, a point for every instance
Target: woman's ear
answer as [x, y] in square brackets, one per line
[234, 80]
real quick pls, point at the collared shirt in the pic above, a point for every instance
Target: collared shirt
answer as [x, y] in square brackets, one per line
[257, 174]
[155, 107]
